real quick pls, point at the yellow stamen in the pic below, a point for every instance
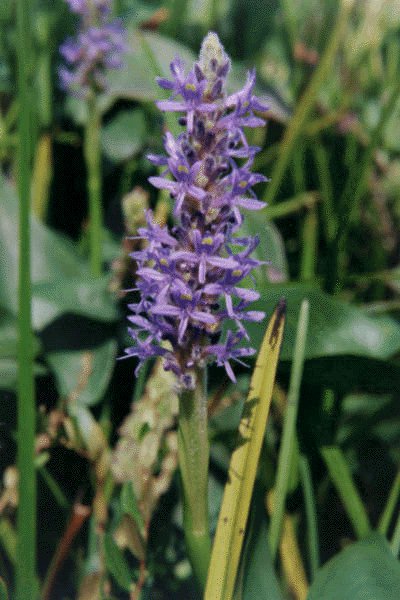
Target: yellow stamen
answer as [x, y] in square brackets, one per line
[186, 296]
[183, 169]
[237, 272]
[164, 262]
[242, 183]
[191, 87]
[207, 241]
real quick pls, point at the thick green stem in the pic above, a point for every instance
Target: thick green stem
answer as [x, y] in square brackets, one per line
[26, 518]
[92, 152]
[193, 448]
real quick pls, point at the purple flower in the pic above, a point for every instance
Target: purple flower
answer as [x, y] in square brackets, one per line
[98, 47]
[189, 277]
[229, 351]
[185, 176]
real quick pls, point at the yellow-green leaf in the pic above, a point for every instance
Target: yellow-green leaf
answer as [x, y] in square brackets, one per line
[243, 467]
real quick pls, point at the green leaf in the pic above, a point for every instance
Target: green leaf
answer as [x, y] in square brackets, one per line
[87, 296]
[259, 579]
[271, 249]
[336, 327]
[84, 373]
[123, 137]
[116, 563]
[365, 570]
[136, 79]
[130, 506]
[61, 281]
[8, 352]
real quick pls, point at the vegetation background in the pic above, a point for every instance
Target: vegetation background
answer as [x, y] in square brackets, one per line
[331, 71]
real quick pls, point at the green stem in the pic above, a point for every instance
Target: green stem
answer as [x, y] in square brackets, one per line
[289, 430]
[26, 518]
[92, 152]
[193, 450]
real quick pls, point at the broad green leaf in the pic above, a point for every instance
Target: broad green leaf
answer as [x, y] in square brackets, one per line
[124, 136]
[136, 80]
[130, 506]
[8, 352]
[85, 374]
[340, 475]
[336, 327]
[243, 467]
[61, 280]
[271, 249]
[116, 563]
[86, 296]
[365, 570]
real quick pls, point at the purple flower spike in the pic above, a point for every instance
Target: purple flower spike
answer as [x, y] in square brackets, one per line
[98, 47]
[189, 277]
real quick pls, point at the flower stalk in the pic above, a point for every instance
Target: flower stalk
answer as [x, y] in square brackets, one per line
[97, 48]
[193, 452]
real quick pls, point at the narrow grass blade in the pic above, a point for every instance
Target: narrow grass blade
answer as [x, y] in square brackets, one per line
[243, 467]
[386, 517]
[3, 590]
[307, 101]
[41, 176]
[342, 480]
[289, 430]
[130, 506]
[395, 544]
[293, 205]
[309, 241]
[291, 559]
[311, 514]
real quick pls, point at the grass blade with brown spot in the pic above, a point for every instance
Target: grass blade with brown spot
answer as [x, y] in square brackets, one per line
[243, 467]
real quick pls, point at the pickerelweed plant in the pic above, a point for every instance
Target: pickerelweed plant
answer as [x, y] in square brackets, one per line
[189, 276]
[97, 48]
